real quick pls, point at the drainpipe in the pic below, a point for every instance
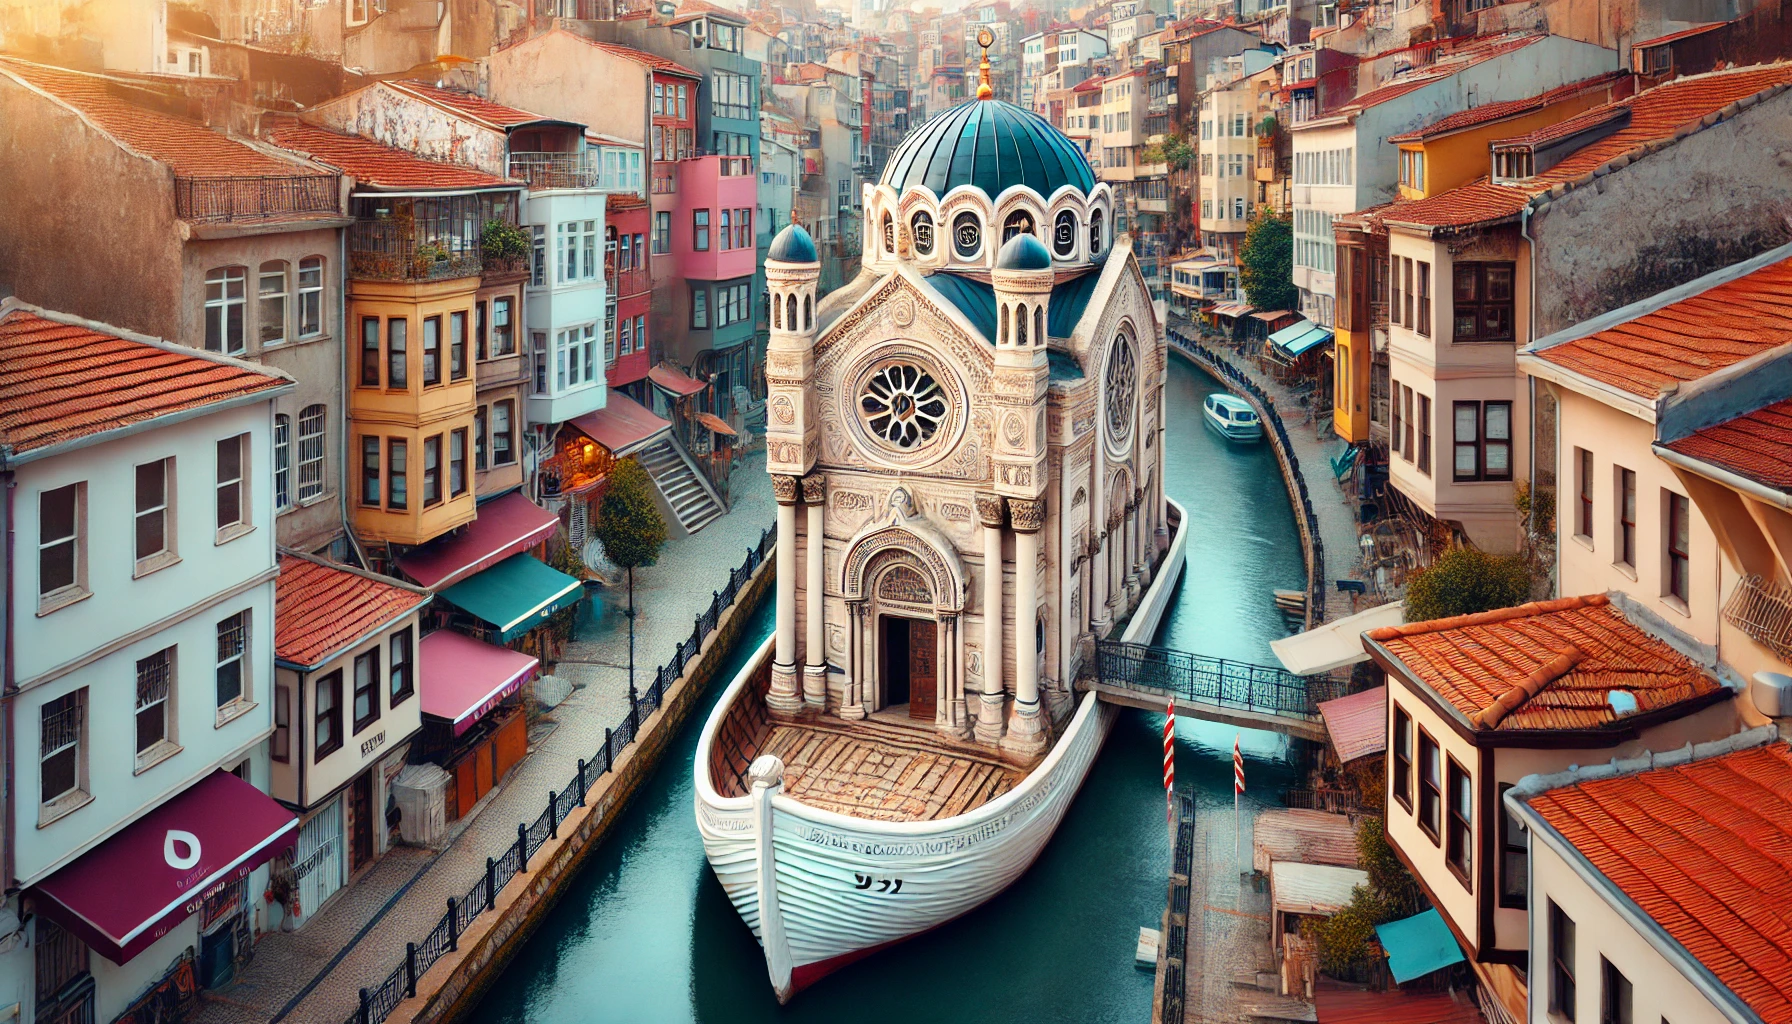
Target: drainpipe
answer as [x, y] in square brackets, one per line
[7, 687]
[342, 365]
[1524, 231]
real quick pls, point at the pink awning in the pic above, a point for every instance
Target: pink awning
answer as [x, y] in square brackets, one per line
[675, 381]
[135, 887]
[1357, 724]
[622, 425]
[507, 526]
[463, 678]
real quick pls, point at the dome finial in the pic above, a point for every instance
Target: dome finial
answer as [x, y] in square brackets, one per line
[985, 39]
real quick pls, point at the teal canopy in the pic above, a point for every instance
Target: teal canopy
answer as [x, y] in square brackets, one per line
[515, 596]
[1418, 945]
[1296, 340]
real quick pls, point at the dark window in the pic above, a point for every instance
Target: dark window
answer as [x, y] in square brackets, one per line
[327, 720]
[1514, 857]
[1407, 397]
[370, 351]
[155, 674]
[1396, 434]
[233, 645]
[432, 350]
[479, 329]
[280, 744]
[1561, 963]
[1430, 785]
[1616, 998]
[58, 538]
[1424, 327]
[1483, 441]
[1407, 296]
[922, 225]
[503, 331]
[397, 495]
[1483, 302]
[1460, 846]
[700, 230]
[967, 235]
[152, 508]
[457, 462]
[402, 678]
[457, 345]
[1679, 549]
[1586, 493]
[230, 481]
[432, 469]
[397, 337]
[367, 689]
[370, 471]
[1425, 434]
[1627, 517]
[1402, 762]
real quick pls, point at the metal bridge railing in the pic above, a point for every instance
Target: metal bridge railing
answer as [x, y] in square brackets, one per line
[1199, 678]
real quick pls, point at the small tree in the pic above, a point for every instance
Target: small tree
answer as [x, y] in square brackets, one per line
[632, 531]
[1266, 261]
[1466, 580]
[502, 240]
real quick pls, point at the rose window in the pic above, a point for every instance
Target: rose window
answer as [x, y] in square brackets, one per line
[1122, 385]
[902, 405]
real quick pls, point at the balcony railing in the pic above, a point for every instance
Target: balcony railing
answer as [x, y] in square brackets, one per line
[633, 281]
[1763, 610]
[554, 170]
[385, 251]
[223, 200]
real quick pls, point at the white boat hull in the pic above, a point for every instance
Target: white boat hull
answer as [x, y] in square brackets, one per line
[821, 889]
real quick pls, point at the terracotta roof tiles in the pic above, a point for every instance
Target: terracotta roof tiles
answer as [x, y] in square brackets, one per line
[1656, 115]
[319, 610]
[642, 57]
[1688, 339]
[477, 108]
[1756, 445]
[1545, 665]
[1682, 34]
[62, 381]
[376, 165]
[1702, 849]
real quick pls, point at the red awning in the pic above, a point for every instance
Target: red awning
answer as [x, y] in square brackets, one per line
[463, 678]
[674, 381]
[135, 887]
[507, 526]
[1357, 724]
[622, 425]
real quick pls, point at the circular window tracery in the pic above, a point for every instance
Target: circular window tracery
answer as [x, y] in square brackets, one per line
[923, 229]
[902, 405]
[1064, 235]
[967, 235]
[1122, 385]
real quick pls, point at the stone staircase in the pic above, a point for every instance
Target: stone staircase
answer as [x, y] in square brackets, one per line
[687, 494]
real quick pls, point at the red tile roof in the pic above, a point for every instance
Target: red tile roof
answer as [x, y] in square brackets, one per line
[1688, 339]
[1357, 724]
[61, 381]
[376, 165]
[641, 57]
[1487, 113]
[188, 148]
[1544, 665]
[1756, 445]
[1682, 34]
[476, 108]
[1657, 115]
[320, 610]
[1702, 849]
[1335, 1005]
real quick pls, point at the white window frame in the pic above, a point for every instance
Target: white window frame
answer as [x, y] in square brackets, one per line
[69, 738]
[161, 696]
[311, 448]
[219, 301]
[76, 589]
[233, 654]
[167, 554]
[223, 484]
[282, 462]
[280, 296]
[311, 297]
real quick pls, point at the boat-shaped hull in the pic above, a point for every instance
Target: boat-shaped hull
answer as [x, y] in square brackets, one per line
[821, 889]
[1230, 429]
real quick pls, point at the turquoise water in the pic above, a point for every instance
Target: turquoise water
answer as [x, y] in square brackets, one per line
[645, 933]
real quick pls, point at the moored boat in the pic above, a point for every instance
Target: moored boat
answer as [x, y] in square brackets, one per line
[1233, 417]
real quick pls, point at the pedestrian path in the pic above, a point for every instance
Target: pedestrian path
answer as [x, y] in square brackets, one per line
[314, 975]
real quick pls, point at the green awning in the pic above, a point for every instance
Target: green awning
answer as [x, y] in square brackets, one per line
[1418, 945]
[515, 596]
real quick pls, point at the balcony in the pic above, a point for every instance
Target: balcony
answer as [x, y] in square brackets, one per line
[416, 239]
[228, 200]
[554, 170]
[624, 283]
[1762, 610]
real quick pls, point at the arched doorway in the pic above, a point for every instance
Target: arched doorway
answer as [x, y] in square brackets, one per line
[908, 637]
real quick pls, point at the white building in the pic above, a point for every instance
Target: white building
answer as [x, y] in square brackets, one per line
[564, 303]
[140, 491]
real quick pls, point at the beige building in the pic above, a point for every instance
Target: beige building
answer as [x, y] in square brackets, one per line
[1120, 134]
[1232, 115]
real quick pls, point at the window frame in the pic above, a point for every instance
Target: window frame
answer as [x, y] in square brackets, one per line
[508, 408]
[149, 561]
[1676, 562]
[1424, 300]
[280, 740]
[312, 485]
[236, 662]
[1617, 996]
[283, 298]
[371, 362]
[1584, 523]
[157, 749]
[458, 364]
[226, 306]
[1459, 823]
[311, 298]
[236, 487]
[1480, 444]
[401, 667]
[1562, 981]
[398, 353]
[330, 715]
[1400, 763]
[432, 351]
[432, 470]
[1514, 880]
[1430, 790]
[369, 687]
[1624, 518]
[283, 468]
[75, 703]
[1481, 304]
[458, 480]
[503, 327]
[700, 230]
[398, 467]
[1424, 417]
[75, 589]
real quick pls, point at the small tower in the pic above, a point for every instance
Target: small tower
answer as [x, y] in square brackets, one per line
[1023, 285]
[792, 435]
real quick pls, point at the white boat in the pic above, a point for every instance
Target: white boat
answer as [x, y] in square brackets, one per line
[821, 889]
[1232, 416]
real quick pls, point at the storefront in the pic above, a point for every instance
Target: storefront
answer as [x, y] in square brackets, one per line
[507, 525]
[585, 450]
[473, 721]
[510, 600]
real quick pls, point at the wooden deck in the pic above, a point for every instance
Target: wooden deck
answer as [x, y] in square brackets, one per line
[849, 772]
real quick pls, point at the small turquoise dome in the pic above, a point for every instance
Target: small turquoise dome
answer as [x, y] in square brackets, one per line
[1023, 252]
[793, 245]
[989, 144]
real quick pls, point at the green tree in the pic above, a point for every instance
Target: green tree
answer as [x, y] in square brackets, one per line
[1466, 580]
[632, 531]
[1266, 261]
[1395, 894]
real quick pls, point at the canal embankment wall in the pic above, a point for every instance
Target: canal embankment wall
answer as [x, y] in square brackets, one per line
[1299, 495]
[453, 985]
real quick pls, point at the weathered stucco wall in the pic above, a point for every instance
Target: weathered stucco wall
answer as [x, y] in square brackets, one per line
[1717, 197]
[410, 124]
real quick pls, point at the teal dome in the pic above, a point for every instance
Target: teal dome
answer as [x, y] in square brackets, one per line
[793, 245]
[1023, 252]
[989, 144]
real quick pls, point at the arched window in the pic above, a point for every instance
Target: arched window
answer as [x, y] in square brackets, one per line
[967, 235]
[282, 462]
[1020, 222]
[889, 235]
[1007, 316]
[312, 428]
[1064, 235]
[808, 314]
[1020, 327]
[922, 224]
[1039, 325]
[777, 312]
[790, 322]
[1095, 226]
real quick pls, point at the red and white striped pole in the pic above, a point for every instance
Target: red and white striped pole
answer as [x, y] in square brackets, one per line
[1170, 768]
[1237, 793]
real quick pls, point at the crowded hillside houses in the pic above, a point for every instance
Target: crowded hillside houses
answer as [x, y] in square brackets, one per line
[331, 320]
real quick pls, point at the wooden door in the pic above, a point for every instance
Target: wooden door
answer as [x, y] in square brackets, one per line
[362, 813]
[923, 669]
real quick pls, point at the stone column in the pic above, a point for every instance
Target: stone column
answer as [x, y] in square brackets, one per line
[951, 716]
[815, 655]
[1026, 733]
[1098, 580]
[991, 511]
[852, 706]
[784, 695]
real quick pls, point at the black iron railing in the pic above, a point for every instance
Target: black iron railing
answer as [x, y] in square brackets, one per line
[233, 199]
[1176, 931]
[1197, 678]
[378, 1001]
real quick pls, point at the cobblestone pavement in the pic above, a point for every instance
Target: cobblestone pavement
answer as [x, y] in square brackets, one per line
[1228, 923]
[314, 975]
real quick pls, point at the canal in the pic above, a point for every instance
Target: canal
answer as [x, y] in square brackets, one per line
[645, 933]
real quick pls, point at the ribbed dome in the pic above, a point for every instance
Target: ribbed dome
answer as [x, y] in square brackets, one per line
[1023, 252]
[792, 245]
[991, 145]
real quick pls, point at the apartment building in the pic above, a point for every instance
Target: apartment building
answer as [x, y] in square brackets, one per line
[1233, 119]
[141, 636]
